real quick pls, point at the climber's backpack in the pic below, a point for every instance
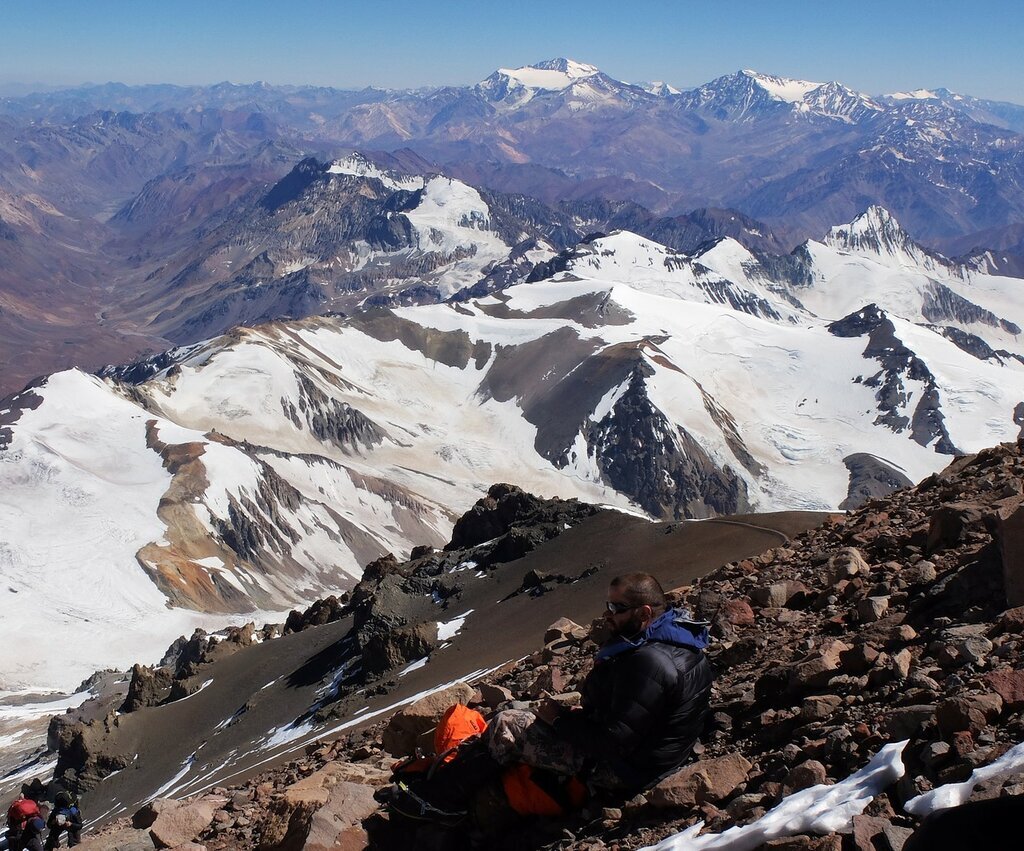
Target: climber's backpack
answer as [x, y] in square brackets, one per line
[19, 814]
[529, 791]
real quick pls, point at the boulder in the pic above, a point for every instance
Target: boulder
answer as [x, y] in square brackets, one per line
[778, 594]
[119, 839]
[819, 707]
[904, 721]
[711, 780]
[846, 564]
[175, 826]
[919, 574]
[1010, 534]
[818, 667]
[950, 523]
[564, 629]
[802, 842]
[337, 824]
[736, 613]
[1012, 620]
[865, 829]
[971, 713]
[1009, 685]
[317, 786]
[149, 812]
[803, 776]
[871, 609]
[493, 696]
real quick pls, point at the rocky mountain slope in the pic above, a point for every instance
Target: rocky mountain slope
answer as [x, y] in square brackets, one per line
[893, 632]
[247, 697]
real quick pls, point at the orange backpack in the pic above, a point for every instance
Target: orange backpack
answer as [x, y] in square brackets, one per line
[534, 792]
[458, 723]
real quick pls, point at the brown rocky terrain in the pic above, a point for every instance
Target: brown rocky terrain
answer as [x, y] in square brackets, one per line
[902, 620]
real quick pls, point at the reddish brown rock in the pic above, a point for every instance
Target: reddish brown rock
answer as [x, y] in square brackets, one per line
[1009, 685]
[970, 713]
[859, 658]
[865, 829]
[1012, 620]
[711, 780]
[803, 776]
[820, 706]
[832, 842]
[737, 613]
[818, 667]
[846, 564]
[337, 824]
[177, 825]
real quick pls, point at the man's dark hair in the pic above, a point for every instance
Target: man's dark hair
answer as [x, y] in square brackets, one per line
[641, 589]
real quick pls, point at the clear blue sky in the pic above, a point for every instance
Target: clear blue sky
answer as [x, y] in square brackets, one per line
[970, 47]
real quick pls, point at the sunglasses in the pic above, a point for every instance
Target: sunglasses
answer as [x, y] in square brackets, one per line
[618, 608]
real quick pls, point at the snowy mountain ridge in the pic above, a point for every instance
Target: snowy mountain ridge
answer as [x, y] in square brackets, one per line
[272, 463]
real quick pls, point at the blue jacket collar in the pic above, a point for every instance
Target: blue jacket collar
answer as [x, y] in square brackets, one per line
[675, 626]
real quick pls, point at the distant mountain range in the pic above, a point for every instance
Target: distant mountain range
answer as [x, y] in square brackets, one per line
[681, 303]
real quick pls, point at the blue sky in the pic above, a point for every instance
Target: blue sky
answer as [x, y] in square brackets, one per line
[876, 47]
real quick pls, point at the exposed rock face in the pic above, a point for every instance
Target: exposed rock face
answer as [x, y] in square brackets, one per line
[506, 507]
[320, 612]
[870, 478]
[641, 453]
[332, 421]
[899, 364]
[147, 687]
[84, 747]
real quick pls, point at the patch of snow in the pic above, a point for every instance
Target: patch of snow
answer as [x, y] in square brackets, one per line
[358, 165]
[954, 794]
[783, 88]
[449, 629]
[414, 666]
[819, 809]
[549, 80]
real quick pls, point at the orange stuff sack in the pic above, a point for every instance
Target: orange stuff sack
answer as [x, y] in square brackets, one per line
[531, 792]
[456, 725]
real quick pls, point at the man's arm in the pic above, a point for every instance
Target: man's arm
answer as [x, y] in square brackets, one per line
[633, 704]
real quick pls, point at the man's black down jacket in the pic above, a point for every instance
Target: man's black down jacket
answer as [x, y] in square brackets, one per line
[643, 710]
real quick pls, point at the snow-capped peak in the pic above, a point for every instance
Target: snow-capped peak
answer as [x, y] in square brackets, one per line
[877, 234]
[874, 222]
[917, 94]
[659, 88]
[552, 75]
[782, 88]
[358, 165]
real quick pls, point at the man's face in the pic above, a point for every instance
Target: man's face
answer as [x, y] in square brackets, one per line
[624, 624]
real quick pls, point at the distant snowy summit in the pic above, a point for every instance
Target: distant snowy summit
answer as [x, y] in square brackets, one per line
[577, 83]
[733, 96]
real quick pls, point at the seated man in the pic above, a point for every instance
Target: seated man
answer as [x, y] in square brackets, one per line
[643, 705]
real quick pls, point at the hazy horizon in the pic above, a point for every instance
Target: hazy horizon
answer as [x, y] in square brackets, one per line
[875, 47]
